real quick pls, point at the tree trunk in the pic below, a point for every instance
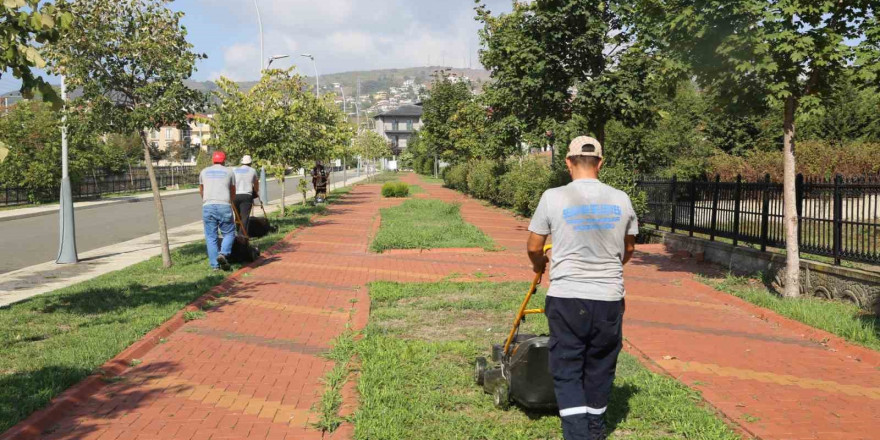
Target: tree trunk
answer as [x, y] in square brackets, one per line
[281, 179]
[792, 260]
[157, 199]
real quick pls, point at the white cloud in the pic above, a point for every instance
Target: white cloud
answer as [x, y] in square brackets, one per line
[355, 34]
[240, 62]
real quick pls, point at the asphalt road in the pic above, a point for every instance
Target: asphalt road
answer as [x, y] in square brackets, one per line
[29, 241]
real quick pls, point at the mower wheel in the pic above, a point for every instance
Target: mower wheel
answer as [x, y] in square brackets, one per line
[480, 367]
[501, 397]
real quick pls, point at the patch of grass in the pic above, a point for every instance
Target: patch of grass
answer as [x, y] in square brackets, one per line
[416, 373]
[427, 224]
[193, 315]
[341, 354]
[385, 176]
[840, 318]
[53, 341]
[431, 180]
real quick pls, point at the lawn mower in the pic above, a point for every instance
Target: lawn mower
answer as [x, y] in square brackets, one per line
[521, 373]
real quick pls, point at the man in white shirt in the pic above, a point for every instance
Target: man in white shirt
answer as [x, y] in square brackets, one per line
[593, 227]
[247, 188]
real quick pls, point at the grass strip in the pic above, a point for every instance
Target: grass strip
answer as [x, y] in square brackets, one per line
[416, 361]
[52, 341]
[341, 354]
[843, 319]
[427, 224]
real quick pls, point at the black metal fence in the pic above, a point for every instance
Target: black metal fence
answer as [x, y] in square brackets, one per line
[838, 218]
[97, 185]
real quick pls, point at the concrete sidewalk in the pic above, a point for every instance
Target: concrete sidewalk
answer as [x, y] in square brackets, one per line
[42, 278]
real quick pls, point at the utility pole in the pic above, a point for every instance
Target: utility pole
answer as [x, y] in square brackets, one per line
[67, 236]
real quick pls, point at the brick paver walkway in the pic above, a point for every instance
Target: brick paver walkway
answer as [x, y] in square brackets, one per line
[252, 368]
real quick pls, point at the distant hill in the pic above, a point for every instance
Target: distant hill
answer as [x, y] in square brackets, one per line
[372, 81]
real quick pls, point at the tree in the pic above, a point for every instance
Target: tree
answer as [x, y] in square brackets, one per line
[277, 122]
[26, 22]
[130, 59]
[446, 98]
[371, 145]
[552, 59]
[788, 53]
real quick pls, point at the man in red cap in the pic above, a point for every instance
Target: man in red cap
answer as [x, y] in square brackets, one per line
[217, 187]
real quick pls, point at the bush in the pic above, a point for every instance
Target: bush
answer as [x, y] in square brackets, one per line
[521, 187]
[625, 180]
[815, 159]
[455, 177]
[395, 189]
[482, 179]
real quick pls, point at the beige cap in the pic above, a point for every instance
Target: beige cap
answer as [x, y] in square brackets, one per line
[246, 160]
[584, 146]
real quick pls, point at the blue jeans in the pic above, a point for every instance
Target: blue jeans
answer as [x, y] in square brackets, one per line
[218, 217]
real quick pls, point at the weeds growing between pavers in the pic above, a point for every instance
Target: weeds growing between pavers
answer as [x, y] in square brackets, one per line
[843, 319]
[342, 355]
[416, 365]
[50, 342]
[427, 224]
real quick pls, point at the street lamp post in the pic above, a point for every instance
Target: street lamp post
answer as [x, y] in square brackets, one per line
[67, 236]
[344, 162]
[317, 78]
[273, 58]
[260, 23]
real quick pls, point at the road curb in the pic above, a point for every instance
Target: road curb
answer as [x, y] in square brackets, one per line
[43, 420]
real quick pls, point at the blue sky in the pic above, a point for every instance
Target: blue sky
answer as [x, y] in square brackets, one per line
[343, 35]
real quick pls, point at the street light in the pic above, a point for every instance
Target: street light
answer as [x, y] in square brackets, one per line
[67, 236]
[317, 81]
[276, 57]
[344, 164]
[260, 23]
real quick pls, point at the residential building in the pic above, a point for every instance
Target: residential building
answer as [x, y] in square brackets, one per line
[193, 137]
[399, 124]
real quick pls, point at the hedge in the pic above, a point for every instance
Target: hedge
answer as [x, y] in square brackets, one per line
[519, 183]
[395, 189]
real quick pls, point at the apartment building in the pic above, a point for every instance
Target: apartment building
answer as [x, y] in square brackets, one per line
[398, 125]
[193, 137]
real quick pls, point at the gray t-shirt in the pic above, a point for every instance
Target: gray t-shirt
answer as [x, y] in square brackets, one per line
[244, 180]
[216, 180]
[589, 222]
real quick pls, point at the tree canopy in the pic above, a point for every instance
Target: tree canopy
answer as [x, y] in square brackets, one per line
[28, 24]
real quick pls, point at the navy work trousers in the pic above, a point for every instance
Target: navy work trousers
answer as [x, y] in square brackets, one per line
[585, 339]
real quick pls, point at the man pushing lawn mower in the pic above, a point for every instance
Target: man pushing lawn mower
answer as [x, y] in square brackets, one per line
[593, 227]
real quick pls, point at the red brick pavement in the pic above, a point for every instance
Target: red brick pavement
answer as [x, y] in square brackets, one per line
[252, 368]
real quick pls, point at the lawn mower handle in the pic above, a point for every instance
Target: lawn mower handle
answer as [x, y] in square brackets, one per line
[522, 308]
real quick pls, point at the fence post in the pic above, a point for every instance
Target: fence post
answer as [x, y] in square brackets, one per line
[693, 196]
[737, 198]
[838, 218]
[765, 213]
[715, 194]
[672, 198]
